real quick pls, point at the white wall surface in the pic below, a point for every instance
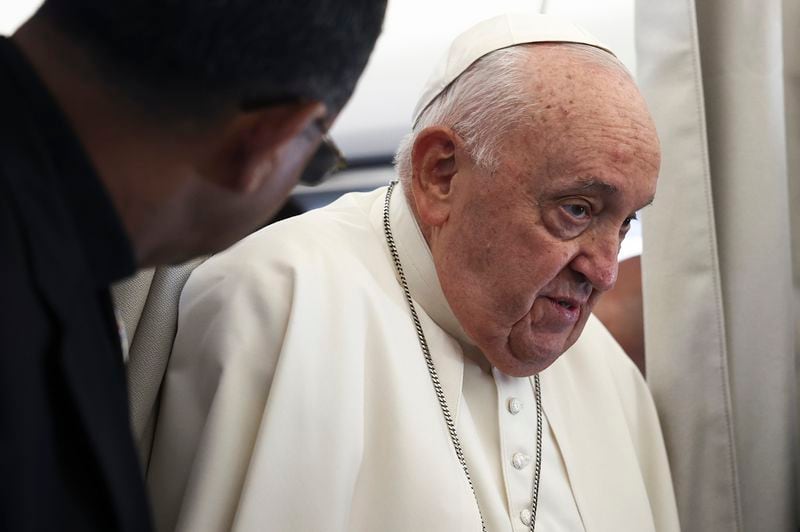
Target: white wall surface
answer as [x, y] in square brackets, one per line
[417, 32]
[14, 12]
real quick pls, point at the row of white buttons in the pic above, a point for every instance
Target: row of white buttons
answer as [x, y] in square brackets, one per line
[519, 460]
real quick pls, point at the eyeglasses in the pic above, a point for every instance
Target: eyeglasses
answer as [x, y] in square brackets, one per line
[325, 162]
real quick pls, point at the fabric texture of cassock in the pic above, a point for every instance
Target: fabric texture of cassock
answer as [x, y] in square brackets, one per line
[297, 399]
[67, 459]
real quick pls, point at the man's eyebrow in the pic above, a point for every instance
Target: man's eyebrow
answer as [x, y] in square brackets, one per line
[593, 184]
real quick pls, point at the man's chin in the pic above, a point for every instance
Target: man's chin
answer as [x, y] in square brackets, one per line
[535, 353]
[525, 364]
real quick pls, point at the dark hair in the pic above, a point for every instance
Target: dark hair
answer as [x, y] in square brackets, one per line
[210, 52]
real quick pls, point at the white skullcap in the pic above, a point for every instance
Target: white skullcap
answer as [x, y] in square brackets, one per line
[493, 34]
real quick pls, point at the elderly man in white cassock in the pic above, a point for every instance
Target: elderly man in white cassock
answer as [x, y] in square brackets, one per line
[423, 357]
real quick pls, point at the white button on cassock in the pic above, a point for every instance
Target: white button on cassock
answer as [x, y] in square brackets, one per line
[520, 460]
[514, 405]
[525, 517]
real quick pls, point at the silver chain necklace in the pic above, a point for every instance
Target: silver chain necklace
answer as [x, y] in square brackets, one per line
[437, 385]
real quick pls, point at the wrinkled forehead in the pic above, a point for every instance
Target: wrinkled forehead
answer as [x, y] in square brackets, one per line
[494, 34]
[588, 119]
[578, 95]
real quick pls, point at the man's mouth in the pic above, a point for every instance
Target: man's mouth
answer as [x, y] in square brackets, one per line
[565, 311]
[565, 302]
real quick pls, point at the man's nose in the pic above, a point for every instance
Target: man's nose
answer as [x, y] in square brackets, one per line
[598, 263]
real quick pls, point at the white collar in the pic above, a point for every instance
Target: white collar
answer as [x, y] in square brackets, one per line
[420, 271]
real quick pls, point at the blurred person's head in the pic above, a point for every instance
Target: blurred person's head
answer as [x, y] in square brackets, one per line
[524, 173]
[199, 115]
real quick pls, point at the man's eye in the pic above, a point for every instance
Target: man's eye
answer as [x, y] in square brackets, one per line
[577, 210]
[627, 223]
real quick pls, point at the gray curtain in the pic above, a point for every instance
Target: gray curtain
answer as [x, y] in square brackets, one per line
[720, 283]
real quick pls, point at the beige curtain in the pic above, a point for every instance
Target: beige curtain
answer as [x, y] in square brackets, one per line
[720, 290]
[791, 43]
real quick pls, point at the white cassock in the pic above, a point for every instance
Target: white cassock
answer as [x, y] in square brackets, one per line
[297, 399]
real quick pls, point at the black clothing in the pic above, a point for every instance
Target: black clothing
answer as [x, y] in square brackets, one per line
[67, 457]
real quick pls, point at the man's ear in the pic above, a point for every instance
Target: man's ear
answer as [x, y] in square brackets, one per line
[256, 142]
[434, 163]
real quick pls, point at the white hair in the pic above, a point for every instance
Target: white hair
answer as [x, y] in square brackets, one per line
[485, 103]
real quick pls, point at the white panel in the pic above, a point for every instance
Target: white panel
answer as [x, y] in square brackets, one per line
[15, 12]
[417, 32]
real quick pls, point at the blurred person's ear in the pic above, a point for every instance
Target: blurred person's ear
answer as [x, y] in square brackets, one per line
[275, 140]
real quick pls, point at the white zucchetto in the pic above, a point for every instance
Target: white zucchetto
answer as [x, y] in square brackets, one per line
[494, 34]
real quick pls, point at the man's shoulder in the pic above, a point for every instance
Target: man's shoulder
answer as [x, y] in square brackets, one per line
[341, 228]
[596, 338]
[334, 239]
[603, 382]
[597, 353]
